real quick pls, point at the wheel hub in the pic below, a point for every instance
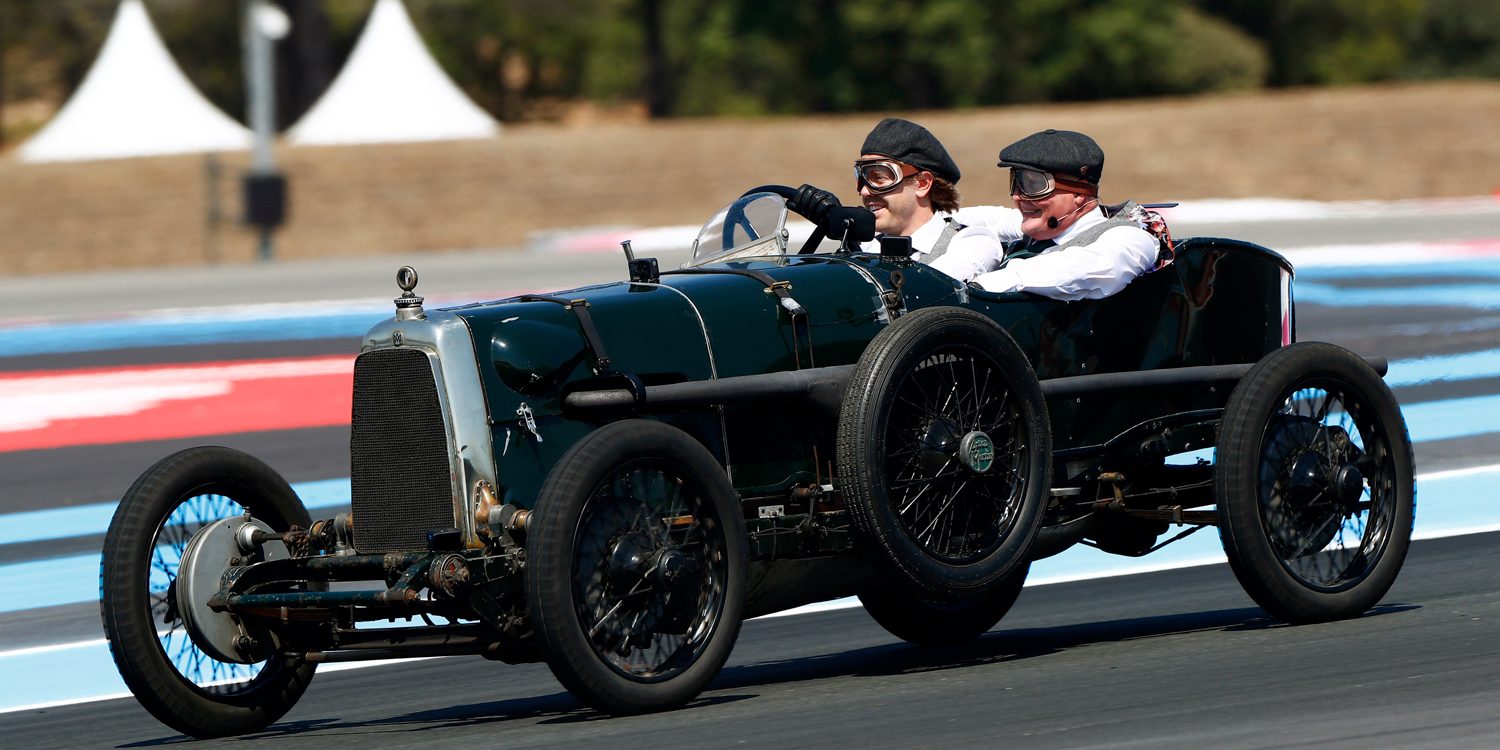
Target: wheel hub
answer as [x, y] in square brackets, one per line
[205, 560]
[665, 571]
[674, 570]
[1349, 485]
[977, 452]
[939, 445]
[629, 560]
[1308, 478]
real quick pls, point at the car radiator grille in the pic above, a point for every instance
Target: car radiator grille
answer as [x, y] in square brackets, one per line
[398, 453]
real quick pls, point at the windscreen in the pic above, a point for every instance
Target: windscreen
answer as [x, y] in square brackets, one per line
[753, 225]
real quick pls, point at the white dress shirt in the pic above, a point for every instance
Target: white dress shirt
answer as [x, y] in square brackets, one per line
[972, 251]
[1093, 271]
[1002, 221]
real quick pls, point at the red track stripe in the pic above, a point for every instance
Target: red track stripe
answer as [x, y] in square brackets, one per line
[58, 409]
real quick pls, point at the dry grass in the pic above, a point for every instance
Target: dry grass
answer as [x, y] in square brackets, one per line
[1383, 142]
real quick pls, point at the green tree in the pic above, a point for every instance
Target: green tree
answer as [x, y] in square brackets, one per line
[1456, 38]
[739, 58]
[532, 59]
[513, 56]
[46, 48]
[928, 53]
[1327, 41]
[1125, 48]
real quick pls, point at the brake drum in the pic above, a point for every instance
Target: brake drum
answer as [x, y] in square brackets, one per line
[207, 557]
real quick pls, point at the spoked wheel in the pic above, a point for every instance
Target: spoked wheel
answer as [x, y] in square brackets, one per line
[1315, 484]
[636, 575]
[937, 622]
[944, 451]
[143, 606]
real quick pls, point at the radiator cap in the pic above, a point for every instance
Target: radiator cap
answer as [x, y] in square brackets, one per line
[408, 305]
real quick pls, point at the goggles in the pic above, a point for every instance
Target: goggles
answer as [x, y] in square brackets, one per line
[1035, 185]
[881, 176]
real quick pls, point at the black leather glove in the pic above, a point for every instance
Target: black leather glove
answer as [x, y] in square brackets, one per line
[813, 203]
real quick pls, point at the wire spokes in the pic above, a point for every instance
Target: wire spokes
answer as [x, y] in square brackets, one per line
[1327, 485]
[172, 537]
[953, 511]
[640, 619]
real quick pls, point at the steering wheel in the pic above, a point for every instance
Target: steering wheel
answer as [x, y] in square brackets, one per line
[852, 224]
[737, 220]
[818, 234]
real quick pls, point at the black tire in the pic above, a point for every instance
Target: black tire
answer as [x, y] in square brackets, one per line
[949, 526]
[599, 529]
[171, 677]
[1315, 484]
[936, 622]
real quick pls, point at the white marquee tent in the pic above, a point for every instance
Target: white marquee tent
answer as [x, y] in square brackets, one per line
[391, 90]
[134, 101]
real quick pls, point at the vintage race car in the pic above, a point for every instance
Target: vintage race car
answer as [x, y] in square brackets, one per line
[612, 478]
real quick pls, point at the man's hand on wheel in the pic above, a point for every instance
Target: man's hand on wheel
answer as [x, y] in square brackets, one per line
[813, 203]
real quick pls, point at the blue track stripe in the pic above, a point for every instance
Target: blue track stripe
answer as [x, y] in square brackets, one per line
[1485, 296]
[136, 333]
[272, 322]
[55, 676]
[1454, 418]
[1450, 367]
[88, 520]
[50, 583]
[1489, 267]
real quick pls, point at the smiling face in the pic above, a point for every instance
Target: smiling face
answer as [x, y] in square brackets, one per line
[1062, 205]
[900, 211]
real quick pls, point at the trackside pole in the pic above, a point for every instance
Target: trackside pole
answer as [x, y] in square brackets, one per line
[265, 187]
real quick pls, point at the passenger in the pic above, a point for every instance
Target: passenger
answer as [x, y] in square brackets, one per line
[1054, 182]
[907, 179]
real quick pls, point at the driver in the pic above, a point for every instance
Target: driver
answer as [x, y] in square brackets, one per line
[906, 178]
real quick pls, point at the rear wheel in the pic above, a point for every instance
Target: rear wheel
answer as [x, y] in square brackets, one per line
[1315, 484]
[636, 568]
[938, 622]
[944, 451]
[176, 679]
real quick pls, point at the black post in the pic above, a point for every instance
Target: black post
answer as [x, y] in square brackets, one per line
[658, 95]
[264, 186]
[215, 213]
[265, 206]
[305, 59]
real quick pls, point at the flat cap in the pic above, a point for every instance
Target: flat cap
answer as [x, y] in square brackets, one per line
[1067, 154]
[904, 140]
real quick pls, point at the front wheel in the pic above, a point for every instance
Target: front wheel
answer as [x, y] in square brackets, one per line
[175, 679]
[636, 568]
[1315, 484]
